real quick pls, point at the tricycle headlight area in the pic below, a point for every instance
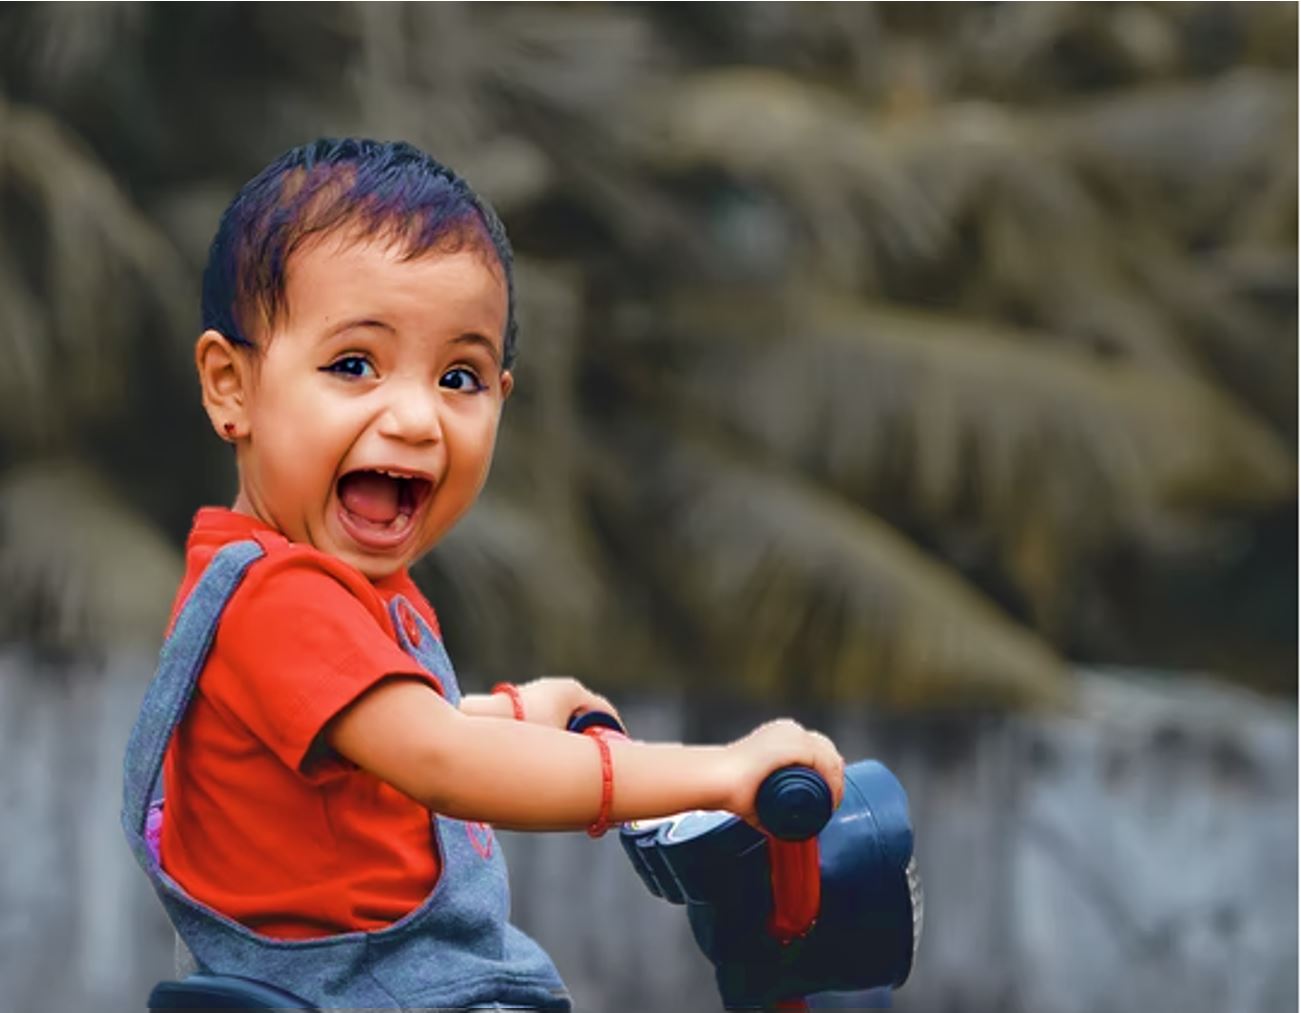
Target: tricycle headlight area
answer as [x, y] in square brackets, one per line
[918, 902]
[870, 919]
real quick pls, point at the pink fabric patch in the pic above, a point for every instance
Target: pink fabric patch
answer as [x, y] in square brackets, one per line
[480, 835]
[154, 830]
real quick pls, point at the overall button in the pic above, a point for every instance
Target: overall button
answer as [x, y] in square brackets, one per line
[409, 624]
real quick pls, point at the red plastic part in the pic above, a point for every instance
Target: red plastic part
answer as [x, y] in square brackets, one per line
[796, 887]
[796, 895]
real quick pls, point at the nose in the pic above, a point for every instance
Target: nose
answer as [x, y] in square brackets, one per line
[411, 413]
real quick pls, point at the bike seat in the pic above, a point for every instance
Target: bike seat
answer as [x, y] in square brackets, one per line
[222, 991]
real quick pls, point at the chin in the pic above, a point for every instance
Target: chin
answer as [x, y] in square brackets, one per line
[371, 567]
[377, 569]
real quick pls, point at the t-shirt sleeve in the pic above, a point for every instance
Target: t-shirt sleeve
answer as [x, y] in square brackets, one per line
[296, 645]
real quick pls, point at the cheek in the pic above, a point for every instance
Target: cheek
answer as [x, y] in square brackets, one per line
[293, 457]
[300, 423]
[486, 448]
[475, 440]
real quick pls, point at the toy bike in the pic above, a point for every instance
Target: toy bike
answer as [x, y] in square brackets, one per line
[817, 902]
[821, 902]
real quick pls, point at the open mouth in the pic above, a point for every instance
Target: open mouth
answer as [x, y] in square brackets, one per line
[378, 505]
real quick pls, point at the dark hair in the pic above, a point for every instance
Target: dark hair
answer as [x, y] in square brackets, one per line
[372, 187]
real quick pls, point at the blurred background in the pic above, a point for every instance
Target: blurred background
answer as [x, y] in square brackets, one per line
[925, 371]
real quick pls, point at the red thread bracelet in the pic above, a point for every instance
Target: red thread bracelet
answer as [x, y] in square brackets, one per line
[602, 823]
[516, 704]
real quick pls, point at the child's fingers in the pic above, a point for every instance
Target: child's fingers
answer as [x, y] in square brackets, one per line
[556, 699]
[830, 764]
[596, 702]
[778, 744]
[818, 752]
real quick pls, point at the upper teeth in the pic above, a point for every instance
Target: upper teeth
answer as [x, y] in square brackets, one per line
[391, 474]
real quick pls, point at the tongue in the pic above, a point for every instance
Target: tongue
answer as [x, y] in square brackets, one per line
[370, 495]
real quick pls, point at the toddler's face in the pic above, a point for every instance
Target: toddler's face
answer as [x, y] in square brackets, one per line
[373, 411]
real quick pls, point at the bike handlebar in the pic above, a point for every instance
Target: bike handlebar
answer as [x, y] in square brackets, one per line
[594, 719]
[793, 803]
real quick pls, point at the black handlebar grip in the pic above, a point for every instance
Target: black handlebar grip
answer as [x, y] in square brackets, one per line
[794, 803]
[594, 719]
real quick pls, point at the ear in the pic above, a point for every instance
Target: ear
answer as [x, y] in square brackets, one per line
[225, 379]
[507, 384]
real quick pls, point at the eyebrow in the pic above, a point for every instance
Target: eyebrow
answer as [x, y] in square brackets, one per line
[483, 342]
[348, 325]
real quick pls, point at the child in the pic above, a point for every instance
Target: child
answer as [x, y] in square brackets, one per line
[359, 337]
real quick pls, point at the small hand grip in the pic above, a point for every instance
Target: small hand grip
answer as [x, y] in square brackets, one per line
[594, 719]
[794, 803]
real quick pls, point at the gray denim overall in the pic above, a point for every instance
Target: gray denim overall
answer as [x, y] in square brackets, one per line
[455, 951]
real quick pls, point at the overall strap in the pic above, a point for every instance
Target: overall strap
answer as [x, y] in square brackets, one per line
[418, 640]
[165, 701]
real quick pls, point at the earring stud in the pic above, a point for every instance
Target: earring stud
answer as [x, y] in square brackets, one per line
[229, 427]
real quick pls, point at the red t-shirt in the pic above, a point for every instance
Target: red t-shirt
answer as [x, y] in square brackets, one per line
[263, 822]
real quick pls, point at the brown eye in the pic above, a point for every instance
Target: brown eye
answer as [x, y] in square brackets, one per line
[351, 365]
[461, 379]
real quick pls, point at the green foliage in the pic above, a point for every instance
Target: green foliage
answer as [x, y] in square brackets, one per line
[893, 353]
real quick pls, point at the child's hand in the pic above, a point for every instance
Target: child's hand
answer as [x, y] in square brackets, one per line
[552, 701]
[772, 746]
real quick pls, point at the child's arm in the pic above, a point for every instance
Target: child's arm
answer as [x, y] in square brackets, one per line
[526, 776]
[550, 701]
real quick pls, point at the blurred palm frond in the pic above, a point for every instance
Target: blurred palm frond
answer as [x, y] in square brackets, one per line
[882, 196]
[90, 256]
[810, 145]
[63, 50]
[1155, 140]
[522, 598]
[953, 415]
[812, 598]
[503, 94]
[962, 426]
[79, 569]
[539, 447]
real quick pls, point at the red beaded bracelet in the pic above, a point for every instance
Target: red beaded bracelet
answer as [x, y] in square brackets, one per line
[516, 704]
[602, 823]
